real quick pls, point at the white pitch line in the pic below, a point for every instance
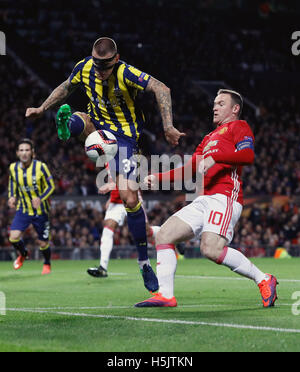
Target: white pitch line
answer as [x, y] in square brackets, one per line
[169, 321]
[229, 278]
[116, 307]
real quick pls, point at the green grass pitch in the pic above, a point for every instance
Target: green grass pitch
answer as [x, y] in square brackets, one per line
[217, 310]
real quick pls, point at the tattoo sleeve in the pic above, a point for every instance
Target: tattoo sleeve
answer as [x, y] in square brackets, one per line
[58, 95]
[163, 98]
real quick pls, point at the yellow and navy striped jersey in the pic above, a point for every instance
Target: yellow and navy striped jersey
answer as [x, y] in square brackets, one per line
[112, 101]
[28, 183]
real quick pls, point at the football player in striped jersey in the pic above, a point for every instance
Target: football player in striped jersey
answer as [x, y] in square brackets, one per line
[29, 188]
[111, 86]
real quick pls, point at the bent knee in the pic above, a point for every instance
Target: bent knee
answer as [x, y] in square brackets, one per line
[110, 224]
[164, 237]
[130, 201]
[14, 235]
[87, 124]
[43, 244]
[205, 250]
[209, 251]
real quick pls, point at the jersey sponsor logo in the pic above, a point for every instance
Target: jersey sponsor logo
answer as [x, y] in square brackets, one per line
[209, 145]
[29, 188]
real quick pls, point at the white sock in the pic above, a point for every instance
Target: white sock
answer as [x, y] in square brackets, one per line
[155, 230]
[144, 262]
[106, 245]
[165, 270]
[240, 264]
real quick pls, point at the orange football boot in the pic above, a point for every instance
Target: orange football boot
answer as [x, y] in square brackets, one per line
[268, 291]
[46, 269]
[158, 301]
[19, 262]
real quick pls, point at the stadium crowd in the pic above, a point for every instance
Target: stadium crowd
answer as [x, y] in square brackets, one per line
[275, 122]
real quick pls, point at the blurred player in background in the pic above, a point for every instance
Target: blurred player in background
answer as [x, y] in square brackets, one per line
[112, 86]
[213, 215]
[115, 216]
[30, 185]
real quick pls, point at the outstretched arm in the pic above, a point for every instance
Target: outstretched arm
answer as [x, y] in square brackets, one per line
[57, 97]
[241, 157]
[163, 98]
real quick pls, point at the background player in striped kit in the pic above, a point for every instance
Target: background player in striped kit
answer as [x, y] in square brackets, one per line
[212, 216]
[30, 185]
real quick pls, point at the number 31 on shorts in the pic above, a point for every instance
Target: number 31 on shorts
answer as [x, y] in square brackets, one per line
[215, 218]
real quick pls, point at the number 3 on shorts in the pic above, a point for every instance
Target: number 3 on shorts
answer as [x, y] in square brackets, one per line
[46, 232]
[215, 218]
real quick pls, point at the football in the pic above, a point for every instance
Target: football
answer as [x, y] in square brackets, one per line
[101, 143]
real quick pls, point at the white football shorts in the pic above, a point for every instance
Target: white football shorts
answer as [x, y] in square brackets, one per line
[116, 212]
[214, 213]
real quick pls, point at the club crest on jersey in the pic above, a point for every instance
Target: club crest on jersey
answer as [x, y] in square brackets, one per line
[209, 145]
[223, 130]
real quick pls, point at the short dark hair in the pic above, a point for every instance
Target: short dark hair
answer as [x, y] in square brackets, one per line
[235, 97]
[28, 141]
[104, 45]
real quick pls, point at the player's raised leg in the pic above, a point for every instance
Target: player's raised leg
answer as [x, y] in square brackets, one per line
[77, 124]
[241, 265]
[172, 231]
[220, 216]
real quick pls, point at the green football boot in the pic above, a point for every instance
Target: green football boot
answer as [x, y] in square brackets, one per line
[62, 118]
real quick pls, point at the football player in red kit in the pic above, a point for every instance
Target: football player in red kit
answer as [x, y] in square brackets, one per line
[114, 216]
[212, 216]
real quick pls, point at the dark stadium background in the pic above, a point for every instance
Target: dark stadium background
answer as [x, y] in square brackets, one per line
[195, 47]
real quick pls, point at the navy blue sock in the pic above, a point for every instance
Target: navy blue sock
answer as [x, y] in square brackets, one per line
[136, 221]
[76, 124]
[46, 252]
[19, 246]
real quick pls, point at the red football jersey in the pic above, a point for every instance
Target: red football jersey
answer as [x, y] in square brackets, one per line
[231, 145]
[225, 144]
[115, 196]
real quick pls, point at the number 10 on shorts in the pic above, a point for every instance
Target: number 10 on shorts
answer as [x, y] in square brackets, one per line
[215, 218]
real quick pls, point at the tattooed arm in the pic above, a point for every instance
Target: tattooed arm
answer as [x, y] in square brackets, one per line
[58, 96]
[163, 98]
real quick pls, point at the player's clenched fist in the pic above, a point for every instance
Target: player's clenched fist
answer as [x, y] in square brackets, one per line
[173, 136]
[12, 202]
[34, 112]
